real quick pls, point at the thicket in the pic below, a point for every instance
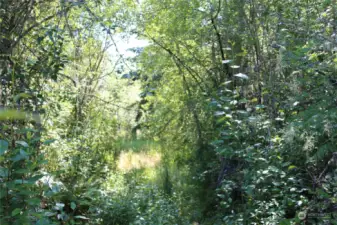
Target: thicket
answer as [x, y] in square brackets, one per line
[228, 115]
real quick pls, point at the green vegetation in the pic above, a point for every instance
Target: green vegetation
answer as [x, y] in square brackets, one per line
[168, 112]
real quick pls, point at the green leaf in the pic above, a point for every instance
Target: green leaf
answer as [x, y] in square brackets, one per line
[43, 162]
[321, 193]
[226, 61]
[22, 143]
[81, 217]
[21, 95]
[49, 214]
[273, 169]
[20, 181]
[217, 142]
[47, 142]
[35, 178]
[219, 113]
[16, 211]
[242, 76]
[3, 146]
[22, 155]
[17, 158]
[235, 67]
[73, 205]
[24, 190]
[291, 167]
[260, 107]
[34, 201]
[3, 172]
[285, 222]
[59, 206]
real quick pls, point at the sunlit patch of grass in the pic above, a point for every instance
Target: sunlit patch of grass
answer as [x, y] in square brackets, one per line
[137, 160]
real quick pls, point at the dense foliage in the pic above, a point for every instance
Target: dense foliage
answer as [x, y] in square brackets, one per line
[168, 112]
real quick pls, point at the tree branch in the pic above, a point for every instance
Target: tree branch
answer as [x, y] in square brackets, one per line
[26, 32]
